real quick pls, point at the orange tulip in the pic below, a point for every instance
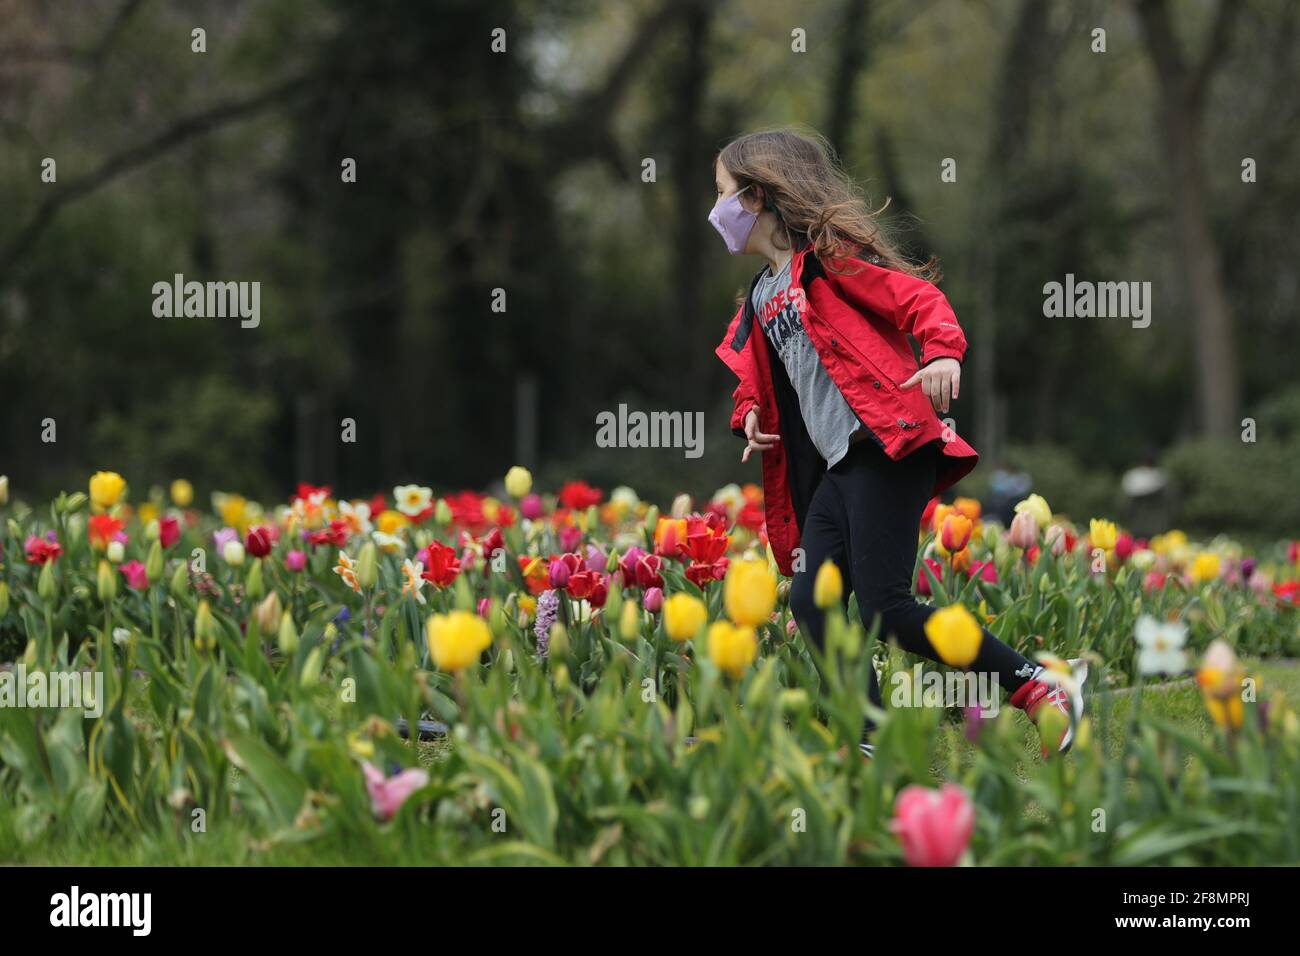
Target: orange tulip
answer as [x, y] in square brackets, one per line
[955, 532]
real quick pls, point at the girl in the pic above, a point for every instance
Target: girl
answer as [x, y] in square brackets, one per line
[832, 396]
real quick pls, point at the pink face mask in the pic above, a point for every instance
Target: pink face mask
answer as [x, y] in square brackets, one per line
[733, 221]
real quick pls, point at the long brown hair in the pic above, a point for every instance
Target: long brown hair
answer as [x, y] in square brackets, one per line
[815, 203]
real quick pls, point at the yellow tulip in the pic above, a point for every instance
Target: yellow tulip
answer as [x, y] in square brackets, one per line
[732, 649]
[1220, 678]
[684, 615]
[519, 481]
[106, 489]
[182, 493]
[457, 639]
[749, 592]
[1205, 567]
[1037, 507]
[390, 521]
[954, 634]
[234, 512]
[1102, 534]
[828, 587]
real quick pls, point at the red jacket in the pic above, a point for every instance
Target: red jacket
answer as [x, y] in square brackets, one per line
[859, 322]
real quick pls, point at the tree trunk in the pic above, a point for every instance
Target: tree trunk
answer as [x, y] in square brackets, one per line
[1182, 100]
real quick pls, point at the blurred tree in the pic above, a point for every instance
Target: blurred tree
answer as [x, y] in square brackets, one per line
[1183, 90]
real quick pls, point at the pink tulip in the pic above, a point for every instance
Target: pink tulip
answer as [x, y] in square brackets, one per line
[570, 537]
[135, 576]
[1054, 540]
[295, 560]
[560, 573]
[653, 600]
[387, 794]
[984, 570]
[1023, 532]
[934, 826]
[530, 506]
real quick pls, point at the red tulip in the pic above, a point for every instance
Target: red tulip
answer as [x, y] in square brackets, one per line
[169, 531]
[441, 565]
[40, 550]
[101, 529]
[258, 541]
[923, 580]
[579, 496]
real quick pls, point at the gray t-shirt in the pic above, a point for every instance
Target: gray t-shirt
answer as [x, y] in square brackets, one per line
[830, 421]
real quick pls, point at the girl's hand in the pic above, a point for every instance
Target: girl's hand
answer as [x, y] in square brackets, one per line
[939, 380]
[757, 440]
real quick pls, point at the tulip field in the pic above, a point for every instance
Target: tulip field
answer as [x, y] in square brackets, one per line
[573, 676]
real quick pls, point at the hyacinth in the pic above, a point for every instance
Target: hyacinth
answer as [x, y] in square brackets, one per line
[548, 607]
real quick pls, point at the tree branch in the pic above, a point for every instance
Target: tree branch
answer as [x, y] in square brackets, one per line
[133, 157]
[91, 58]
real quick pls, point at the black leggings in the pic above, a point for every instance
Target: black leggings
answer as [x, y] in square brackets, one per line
[865, 516]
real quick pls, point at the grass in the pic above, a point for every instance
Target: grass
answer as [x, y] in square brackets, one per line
[229, 843]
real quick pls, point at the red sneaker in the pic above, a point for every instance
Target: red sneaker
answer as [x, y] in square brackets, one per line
[1058, 690]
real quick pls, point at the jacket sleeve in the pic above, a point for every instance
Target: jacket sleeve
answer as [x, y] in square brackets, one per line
[744, 400]
[914, 305]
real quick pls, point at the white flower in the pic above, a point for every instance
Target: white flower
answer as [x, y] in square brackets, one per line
[115, 552]
[389, 542]
[624, 497]
[731, 496]
[412, 579]
[233, 552]
[412, 499]
[357, 516]
[1161, 646]
[1143, 559]
[121, 635]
